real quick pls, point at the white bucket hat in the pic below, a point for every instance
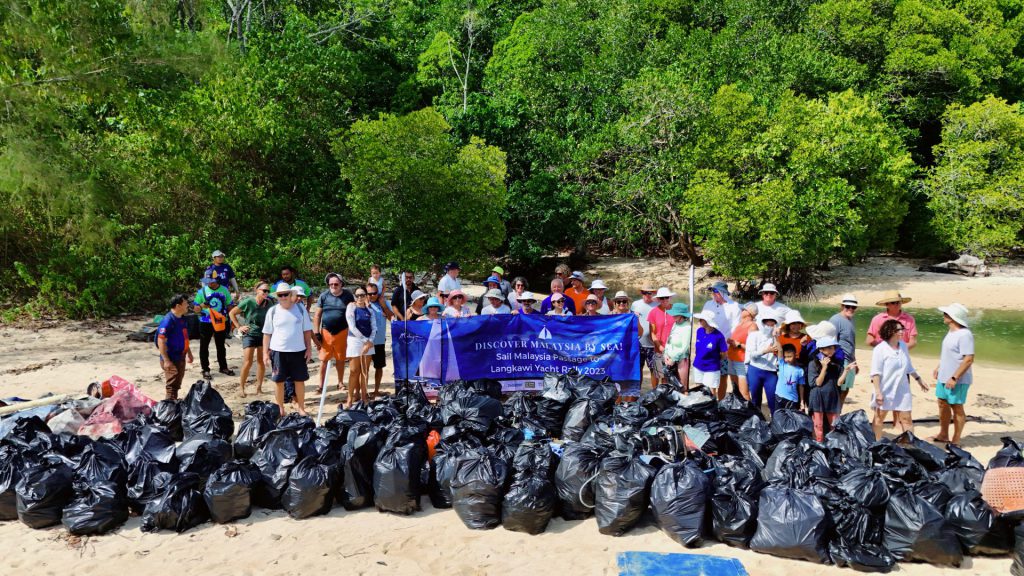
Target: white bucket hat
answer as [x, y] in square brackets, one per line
[821, 330]
[850, 300]
[706, 316]
[956, 311]
[494, 293]
[598, 285]
[768, 287]
[793, 316]
[664, 292]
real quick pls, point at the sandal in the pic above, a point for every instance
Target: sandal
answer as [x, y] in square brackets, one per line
[937, 440]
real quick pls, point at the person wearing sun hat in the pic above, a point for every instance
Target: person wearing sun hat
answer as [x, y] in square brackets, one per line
[660, 324]
[823, 375]
[762, 360]
[709, 349]
[432, 309]
[558, 305]
[503, 284]
[846, 335]
[953, 375]
[770, 301]
[677, 351]
[457, 307]
[416, 304]
[496, 303]
[526, 301]
[893, 302]
[590, 306]
[598, 288]
[492, 282]
[642, 308]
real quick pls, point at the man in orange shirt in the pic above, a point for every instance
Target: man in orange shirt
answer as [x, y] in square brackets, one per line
[577, 291]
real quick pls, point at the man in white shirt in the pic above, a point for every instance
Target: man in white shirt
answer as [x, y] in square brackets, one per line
[770, 301]
[287, 344]
[450, 281]
[642, 308]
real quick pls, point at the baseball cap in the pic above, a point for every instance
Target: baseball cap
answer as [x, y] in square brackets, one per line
[451, 266]
[577, 275]
[216, 253]
[556, 297]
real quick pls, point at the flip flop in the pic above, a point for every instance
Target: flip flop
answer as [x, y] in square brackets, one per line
[937, 440]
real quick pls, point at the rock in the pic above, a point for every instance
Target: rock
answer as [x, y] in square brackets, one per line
[965, 265]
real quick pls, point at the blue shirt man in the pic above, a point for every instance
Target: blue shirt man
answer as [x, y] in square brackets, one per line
[222, 272]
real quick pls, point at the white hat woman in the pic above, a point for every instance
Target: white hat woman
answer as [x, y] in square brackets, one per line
[953, 375]
[890, 368]
[598, 288]
[416, 303]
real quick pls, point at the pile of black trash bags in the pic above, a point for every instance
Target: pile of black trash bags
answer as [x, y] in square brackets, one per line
[697, 468]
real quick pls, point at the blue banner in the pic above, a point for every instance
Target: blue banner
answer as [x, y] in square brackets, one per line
[516, 347]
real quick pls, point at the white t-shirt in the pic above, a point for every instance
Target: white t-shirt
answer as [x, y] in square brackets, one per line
[450, 312]
[726, 315]
[447, 284]
[642, 309]
[286, 328]
[779, 308]
[491, 310]
[955, 345]
[892, 366]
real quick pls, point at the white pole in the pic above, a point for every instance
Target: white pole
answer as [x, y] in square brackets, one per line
[323, 391]
[692, 311]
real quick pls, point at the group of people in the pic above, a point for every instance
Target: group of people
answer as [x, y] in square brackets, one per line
[763, 350]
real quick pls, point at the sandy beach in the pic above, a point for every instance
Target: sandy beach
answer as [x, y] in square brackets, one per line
[63, 357]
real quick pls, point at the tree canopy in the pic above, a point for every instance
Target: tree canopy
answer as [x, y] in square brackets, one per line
[765, 137]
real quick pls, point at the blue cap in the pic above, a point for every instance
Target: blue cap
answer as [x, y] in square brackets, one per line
[209, 277]
[432, 302]
[492, 280]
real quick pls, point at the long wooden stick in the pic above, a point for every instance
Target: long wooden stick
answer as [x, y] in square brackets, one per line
[48, 401]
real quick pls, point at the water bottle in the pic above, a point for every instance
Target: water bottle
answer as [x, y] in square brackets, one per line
[527, 434]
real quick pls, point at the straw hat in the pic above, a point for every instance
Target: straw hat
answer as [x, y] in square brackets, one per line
[956, 311]
[892, 296]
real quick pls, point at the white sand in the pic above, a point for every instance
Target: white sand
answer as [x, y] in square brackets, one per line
[64, 358]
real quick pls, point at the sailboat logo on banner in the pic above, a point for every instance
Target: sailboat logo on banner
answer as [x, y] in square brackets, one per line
[545, 334]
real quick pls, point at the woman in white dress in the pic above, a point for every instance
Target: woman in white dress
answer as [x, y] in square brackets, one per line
[359, 348]
[890, 372]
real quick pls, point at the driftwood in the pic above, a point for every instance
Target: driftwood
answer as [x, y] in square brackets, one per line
[965, 265]
[48, 401]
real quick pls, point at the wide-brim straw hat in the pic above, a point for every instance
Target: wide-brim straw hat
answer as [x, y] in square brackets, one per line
[892, 296]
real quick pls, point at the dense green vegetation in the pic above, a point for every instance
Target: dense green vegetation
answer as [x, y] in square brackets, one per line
[765, 136]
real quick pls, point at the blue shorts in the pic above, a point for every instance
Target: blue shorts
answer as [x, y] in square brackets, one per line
[736, 369]
[956, 396]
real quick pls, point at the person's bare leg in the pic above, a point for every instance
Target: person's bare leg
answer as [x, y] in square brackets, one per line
[684, 374]
[261, 370]
[905, 421]
[842, 398]
[365, 380]
[279, 396]
[723, 386]
[340, 365]
[878, 423]
[378, 375]
[246, 365]
[959, 421]
[743, 387]
[322, 374]
[945, 415]
[300, 398]
[353, 383]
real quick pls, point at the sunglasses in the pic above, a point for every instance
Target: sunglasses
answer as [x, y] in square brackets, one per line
[646, 293]
[663, 297]
[850, 307]
[334, 284]
[621, 301]
[591, 303]
[265, 290]
[520, 286]
[360, 294]
[372, 293]
[458, 298]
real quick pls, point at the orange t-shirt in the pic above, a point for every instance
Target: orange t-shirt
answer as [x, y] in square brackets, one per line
[739, 334]
[579, 297]
[797, 343]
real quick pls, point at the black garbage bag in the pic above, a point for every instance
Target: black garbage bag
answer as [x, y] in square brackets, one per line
[343, 421]
[740, 473]
[327, 441]
[629, 415]
[600, 434]
[928, 455]
[179, 507]
[604, 392]
[278, 454]
[529, 503]
[408, 393]
[796, 462]
[302, 426]
[167, 414]
[915, 530]
[149, 442]
[98, 507]
[204, 412]
[311, 486]
[700, 405]
[574, 479]
[147, 480]
[202, 454]
[535, 457]
[660, 398]
[936, 493]
[962, 472]
[357, 459]
[861, 557]
[980, 530]
[679, 497]
[521, 405]
[487, 387]
[260, 418]
[711, 437]
[755, 435]
[860, 536]
[895, 463]
[865, 486]
[477, 488]
[398, 474]
[442, 469]
[26, 430]
[733, 516]
[1017, 568]
[791, 423]
[736, 410]
[228, 491]
[44, 489]
[554, 403]
[791, 523]
[1009, 456]
[10, 471]
[102, 462]
[851, 435]
[621, 492]
[471, 412]
[580, 416]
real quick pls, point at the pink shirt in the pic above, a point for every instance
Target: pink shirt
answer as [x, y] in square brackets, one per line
[662, 323]
[909, 326]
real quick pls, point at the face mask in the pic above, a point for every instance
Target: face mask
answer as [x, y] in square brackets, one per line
[767, 330]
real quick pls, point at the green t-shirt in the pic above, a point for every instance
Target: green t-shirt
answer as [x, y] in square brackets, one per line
[218, 300]
[254, 314]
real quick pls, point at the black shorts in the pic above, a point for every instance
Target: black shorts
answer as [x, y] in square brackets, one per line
[285, 365]
[249, 341]
[784, 404]
[379, 359]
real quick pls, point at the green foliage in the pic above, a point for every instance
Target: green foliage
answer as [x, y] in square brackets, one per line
[977, 188]
[417, 196]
